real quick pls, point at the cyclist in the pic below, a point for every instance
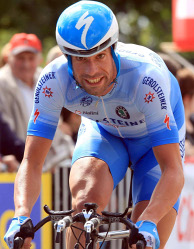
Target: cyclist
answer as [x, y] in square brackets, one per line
[131, 110]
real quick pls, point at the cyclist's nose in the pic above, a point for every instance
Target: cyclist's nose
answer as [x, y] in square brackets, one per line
[91, 68]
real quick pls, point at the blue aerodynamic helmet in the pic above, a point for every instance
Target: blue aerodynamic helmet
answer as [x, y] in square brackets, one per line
[86, 28]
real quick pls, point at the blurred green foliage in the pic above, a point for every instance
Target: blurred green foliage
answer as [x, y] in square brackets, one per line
[147, 22]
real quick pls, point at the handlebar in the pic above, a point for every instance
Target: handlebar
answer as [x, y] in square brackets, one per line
[88, 217]
[56, 213]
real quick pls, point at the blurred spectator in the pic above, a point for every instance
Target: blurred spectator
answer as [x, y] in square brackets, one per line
[18, 79]
[69, 123]
[11, 148]
[173, 65]
[4, 54]
[186, 81]
[17, 83]
[65, 138]
[53, 53]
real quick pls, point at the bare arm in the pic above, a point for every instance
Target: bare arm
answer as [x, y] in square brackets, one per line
[28, 179]
[169, 186]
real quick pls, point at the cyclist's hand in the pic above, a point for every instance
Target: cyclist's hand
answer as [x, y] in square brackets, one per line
[20, 227]
[150, 233]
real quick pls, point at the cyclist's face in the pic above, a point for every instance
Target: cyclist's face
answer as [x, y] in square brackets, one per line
[24, 65]
[95, 73]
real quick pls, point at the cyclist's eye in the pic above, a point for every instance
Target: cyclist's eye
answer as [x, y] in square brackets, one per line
[101, 56]
[80, 58]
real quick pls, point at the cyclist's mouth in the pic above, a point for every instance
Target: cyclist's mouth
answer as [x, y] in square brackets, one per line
[95, 81]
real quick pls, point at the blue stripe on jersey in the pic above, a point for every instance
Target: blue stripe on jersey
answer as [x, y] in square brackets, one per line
[164, 136]
[41, 129]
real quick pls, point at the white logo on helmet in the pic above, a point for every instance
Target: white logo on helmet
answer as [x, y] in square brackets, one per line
[87, 22]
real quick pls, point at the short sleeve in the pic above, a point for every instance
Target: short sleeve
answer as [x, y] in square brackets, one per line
[48, 102]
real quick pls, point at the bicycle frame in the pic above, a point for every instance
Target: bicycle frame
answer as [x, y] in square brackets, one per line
[110, 236]
[113, 235]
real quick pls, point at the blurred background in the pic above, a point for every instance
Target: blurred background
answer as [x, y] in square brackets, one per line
[147, 23]
[151, 23]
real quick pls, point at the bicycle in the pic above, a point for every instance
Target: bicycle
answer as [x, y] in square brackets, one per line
[91, 221]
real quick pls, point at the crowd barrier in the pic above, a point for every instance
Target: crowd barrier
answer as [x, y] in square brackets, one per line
[55, 193]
